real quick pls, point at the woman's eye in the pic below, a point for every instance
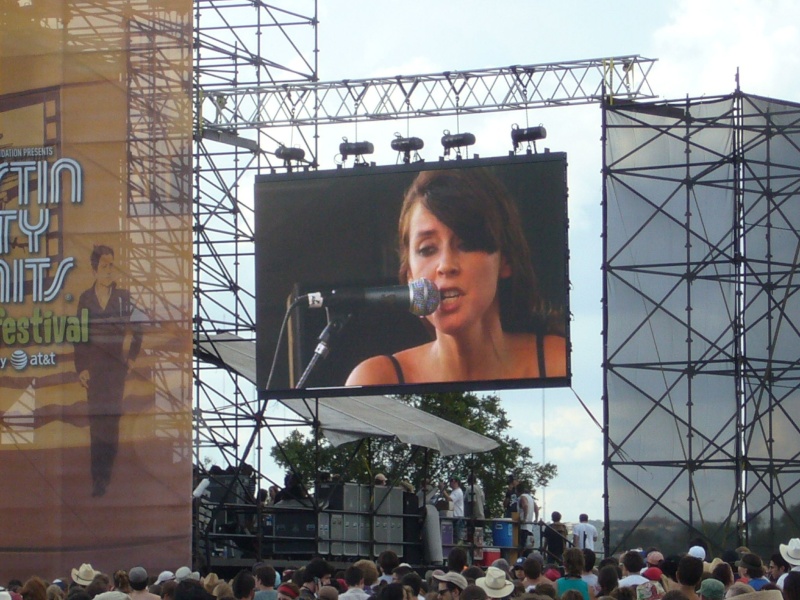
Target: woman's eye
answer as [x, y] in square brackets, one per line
[427, 250]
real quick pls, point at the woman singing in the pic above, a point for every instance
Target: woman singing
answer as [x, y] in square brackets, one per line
[460, 229]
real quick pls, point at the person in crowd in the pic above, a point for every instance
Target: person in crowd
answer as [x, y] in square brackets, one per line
[584, 534]
[791, 586]
[288, 591]
[528, 515]
[461, 230]
[589, 576]
[654, 558]
[553, 538]
[632, 564]
[244, 586]
[777, 566]
[739, 589]
[573, 571]
[371, 573]
[532, 574]
[474, 501]
[387, 562]
[722, 572]
[413, 582]
[689, 574]
[34, 589]
[328, 592]
[168, 589]
[675, 595]
[473, 592]
[711, 589]
[495, 583]
[354, 578]
[511, 496]
[607, 580]
[751, 571]
[455, 495]
[138, 580]
[791, 554]
[449, 585]
[265, 583]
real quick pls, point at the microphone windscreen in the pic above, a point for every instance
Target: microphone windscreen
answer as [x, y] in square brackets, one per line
[424, 297]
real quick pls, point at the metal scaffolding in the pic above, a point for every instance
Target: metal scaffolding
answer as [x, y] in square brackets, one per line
[247, 84]
[701, 323]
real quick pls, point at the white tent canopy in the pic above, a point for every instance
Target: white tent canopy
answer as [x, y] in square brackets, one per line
[346, 419]
[349, 418]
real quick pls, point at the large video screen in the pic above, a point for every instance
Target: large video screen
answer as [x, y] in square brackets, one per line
[419, 278]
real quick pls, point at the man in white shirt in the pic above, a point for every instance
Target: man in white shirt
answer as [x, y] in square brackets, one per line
[584, 534]
[528, 515]
[354, 578]
[791, 554]
[456, 496]
[631, 564]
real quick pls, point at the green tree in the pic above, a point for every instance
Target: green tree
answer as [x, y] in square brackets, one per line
[361, 461]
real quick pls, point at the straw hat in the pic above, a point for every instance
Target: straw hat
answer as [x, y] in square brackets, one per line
[495, 583]
[84, 575]
[791, 552]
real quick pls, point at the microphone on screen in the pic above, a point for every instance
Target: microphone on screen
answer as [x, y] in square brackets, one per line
[420, 297]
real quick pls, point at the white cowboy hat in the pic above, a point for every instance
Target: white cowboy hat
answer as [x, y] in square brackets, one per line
[84, 575]
[791, 551]
[495, 583]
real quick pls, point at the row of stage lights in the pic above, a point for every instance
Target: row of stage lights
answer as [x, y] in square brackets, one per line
[407, 145]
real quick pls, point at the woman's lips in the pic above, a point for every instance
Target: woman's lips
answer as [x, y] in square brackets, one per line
[449, 297]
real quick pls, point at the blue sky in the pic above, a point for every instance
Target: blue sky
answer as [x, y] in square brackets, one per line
[699, 45]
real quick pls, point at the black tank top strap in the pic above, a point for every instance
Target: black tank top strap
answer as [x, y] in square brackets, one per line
[540, 355]
[397, 368]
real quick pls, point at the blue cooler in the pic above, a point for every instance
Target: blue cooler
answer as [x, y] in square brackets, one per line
[503, 533]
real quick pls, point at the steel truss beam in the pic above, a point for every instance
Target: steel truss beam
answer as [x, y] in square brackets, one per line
[702, 322]
[428, 95]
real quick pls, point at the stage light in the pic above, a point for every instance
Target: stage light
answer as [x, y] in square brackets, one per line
[407, 146]
[355, 148]
[529, 134]
[457, 140]
[288, 154]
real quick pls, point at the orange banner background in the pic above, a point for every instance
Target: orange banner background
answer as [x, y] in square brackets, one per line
[95, 119]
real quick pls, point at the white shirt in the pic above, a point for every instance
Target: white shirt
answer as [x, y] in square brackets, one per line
[527, 518]
[457, 497]
[591, 535]
[633, 579]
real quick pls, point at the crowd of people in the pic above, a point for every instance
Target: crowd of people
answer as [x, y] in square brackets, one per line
[634, 575]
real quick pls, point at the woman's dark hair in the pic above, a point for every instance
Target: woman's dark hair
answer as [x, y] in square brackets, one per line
[98, 251]
[476, 206]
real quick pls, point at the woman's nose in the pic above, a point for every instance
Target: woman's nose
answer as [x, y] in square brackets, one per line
[448, 261]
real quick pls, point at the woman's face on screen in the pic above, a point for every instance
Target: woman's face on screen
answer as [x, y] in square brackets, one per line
[466, 278]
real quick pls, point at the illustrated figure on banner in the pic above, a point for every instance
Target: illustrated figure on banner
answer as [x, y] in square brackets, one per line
[103, 363]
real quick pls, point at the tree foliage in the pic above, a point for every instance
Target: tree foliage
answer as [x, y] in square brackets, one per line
[359, 462]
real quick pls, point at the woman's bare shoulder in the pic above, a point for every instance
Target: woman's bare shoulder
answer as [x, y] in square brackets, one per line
[377, 370]
[555, 353]
[525, 345]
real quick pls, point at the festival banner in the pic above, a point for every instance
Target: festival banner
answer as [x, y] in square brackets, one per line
[95, 285]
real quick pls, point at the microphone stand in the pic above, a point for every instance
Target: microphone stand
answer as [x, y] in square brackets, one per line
[336, 323]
